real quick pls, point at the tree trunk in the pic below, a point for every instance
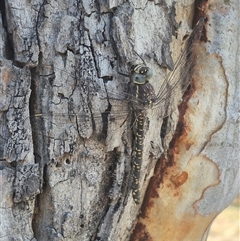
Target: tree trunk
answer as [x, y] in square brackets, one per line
[66, 131]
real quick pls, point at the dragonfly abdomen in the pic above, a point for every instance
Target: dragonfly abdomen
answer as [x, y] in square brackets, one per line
[137, 159]
[143, 97]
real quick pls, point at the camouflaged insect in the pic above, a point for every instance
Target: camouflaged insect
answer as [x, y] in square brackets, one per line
[143, 97]
[142, 91]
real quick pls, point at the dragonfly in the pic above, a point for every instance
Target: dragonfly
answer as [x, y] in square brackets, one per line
[142, 97]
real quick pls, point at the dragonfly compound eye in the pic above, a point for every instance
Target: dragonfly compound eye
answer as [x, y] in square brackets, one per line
[138, 79]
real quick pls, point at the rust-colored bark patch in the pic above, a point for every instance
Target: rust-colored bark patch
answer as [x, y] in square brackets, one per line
[140, 233]
[179, 180]
[154, 184]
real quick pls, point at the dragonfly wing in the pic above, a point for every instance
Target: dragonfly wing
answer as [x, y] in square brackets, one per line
[112, 90]
[71, 126]
[180, 77]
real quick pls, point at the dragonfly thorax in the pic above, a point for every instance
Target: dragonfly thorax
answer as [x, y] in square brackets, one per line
[142, 92]
[143, 96]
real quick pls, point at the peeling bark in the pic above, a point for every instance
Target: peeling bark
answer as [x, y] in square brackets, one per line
[66, 135]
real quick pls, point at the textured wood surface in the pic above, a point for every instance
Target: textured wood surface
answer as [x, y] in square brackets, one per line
[67, 176]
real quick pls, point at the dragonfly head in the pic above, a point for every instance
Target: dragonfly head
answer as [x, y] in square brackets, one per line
[140, 74]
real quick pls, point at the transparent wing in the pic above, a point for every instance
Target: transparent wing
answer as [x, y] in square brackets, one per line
[104, 90]
[64, 130]
[180, 77]
[61, 126]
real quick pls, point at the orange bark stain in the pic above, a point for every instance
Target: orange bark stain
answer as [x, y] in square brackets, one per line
[178, 180]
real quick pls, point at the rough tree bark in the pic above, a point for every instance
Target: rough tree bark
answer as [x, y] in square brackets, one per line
[67, 176]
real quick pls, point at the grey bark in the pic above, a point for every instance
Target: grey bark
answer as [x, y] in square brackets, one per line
[66, 170]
